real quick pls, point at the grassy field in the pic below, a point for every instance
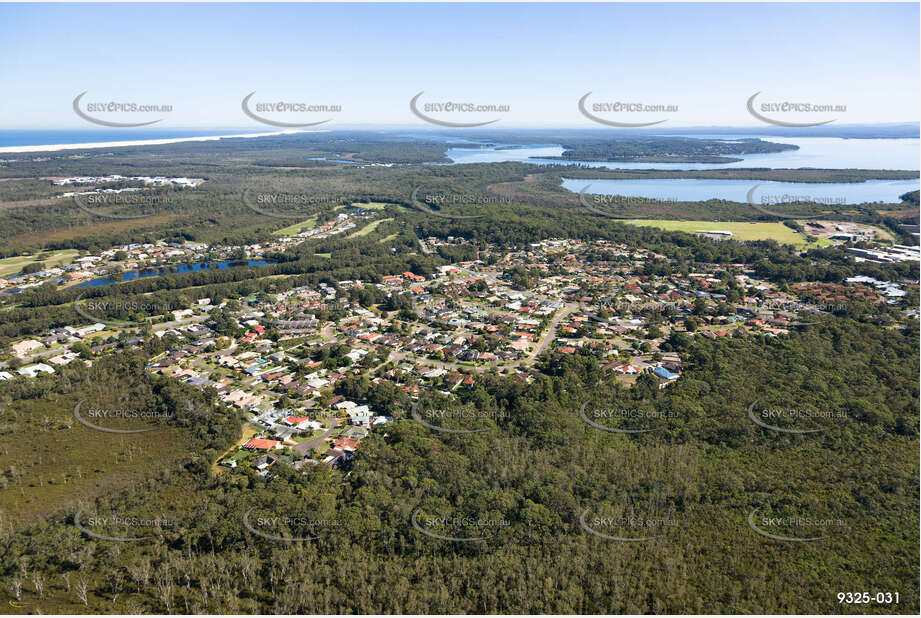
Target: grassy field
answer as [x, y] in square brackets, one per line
[389, 238]
[51, 459]
[741, 230]
[297, 228]
[371, 205]
[369, 228]
[13, 265]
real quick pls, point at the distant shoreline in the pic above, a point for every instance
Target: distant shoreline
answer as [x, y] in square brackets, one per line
[140, 142]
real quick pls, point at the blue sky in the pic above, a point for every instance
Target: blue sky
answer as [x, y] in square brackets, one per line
[538, 59]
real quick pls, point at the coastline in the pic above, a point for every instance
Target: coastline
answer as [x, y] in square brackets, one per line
[140, 142]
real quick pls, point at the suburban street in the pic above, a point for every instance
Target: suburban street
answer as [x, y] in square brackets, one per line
[550, 335]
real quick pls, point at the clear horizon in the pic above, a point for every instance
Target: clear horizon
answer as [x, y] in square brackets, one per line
[706, 60]
[434, 129]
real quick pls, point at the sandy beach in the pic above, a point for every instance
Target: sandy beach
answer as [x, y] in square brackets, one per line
[141, 142]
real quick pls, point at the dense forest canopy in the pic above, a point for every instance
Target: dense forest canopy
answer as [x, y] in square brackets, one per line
[527, 508]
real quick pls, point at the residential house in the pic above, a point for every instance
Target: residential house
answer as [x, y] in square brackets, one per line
[24, 348]
[360, 415]
[33, 370]
[264, 462]
[261, 444]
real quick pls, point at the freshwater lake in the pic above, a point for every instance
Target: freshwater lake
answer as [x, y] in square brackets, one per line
[168, 270]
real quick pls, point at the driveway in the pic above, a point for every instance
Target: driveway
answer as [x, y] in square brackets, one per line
[303, 448]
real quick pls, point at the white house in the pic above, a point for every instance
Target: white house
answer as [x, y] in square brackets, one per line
[33, 370]
[24, 348]
[437, 372]
[360, 415]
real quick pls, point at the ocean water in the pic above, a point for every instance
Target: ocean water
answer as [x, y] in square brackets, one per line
[744, 191]
[100, 134]
[813, 152]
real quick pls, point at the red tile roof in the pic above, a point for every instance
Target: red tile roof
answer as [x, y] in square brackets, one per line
[261, 444]
[346, 444]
